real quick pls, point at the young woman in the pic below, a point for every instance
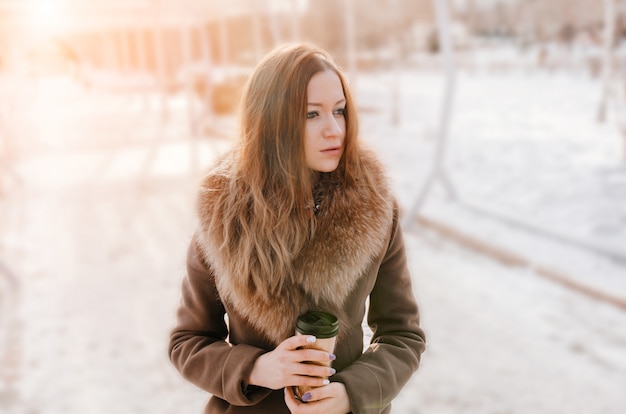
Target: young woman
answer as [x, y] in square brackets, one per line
[297, 217]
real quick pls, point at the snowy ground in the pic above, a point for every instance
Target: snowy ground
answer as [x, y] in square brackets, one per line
[97, 229]
[524, 154]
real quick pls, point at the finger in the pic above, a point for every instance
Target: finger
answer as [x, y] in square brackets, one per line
[320, 393]
[297, 341]
[315, 355]
[309, 381]
[290, 399]
[313, 370]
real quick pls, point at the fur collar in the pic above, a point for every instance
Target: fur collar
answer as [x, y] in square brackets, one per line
[352, 227]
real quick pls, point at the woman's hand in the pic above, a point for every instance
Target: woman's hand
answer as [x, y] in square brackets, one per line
[330, 399]
[286, 365]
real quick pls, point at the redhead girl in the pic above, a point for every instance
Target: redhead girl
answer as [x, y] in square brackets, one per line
[297, 217]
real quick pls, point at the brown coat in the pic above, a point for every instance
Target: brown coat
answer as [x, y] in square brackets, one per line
[357, 254]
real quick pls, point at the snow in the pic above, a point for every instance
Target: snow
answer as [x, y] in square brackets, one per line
[524, 148]
[97, 229]
[525, 152]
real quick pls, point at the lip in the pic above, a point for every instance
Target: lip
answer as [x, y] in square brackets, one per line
[331, 150]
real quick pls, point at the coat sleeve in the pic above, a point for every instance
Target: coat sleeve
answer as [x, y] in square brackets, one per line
[398, 341]
[198, 347]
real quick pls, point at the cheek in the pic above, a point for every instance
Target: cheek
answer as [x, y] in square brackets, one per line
[309, 140]
[312, 132]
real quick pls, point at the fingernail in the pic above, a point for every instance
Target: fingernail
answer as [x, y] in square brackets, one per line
[333, 371]
[311, 339]
[306, 397]
[325, 382]
[332, 357]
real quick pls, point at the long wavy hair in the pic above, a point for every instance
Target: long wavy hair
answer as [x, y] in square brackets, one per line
[267, 213]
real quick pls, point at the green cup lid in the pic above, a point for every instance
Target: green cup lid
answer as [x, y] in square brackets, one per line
[318, 323]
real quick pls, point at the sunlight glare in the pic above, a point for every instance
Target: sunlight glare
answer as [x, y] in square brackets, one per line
[49, 16]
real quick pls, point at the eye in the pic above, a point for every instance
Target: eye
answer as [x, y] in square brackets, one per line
[340, 111]
[312, 114]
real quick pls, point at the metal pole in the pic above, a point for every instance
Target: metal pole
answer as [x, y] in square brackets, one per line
[124, 36]
[295, 20]
[275, 28]
[438, 171]
[142, 59]
[224, 40]
[609, 30]
[207, 62]
[10, 336]
[395, 79]
[257, 31]
[186, 36]
[350, 41]
[159, 53]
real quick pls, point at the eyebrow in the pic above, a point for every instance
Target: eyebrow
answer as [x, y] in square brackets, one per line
[342, 100]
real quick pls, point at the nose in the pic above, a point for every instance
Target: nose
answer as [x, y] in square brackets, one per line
[333, 127]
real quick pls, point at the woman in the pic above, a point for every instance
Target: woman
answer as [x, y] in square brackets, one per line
[297, 217]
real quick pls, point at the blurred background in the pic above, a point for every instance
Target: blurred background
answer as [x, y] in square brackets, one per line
[503, 127]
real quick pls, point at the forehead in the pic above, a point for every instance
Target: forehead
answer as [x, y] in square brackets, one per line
[325, 87]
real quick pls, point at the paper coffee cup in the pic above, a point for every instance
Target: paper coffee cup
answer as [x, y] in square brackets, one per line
[325, 327]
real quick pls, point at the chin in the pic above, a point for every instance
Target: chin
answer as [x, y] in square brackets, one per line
[326, 168]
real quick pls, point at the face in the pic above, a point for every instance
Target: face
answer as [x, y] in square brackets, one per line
[326, 123]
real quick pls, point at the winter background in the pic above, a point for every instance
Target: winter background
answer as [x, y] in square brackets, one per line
[518, 259]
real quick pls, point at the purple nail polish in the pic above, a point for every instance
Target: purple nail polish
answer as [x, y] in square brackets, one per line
[306, 397]
[332, 357]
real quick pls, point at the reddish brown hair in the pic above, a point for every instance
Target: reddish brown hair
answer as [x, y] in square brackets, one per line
[267, 209]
